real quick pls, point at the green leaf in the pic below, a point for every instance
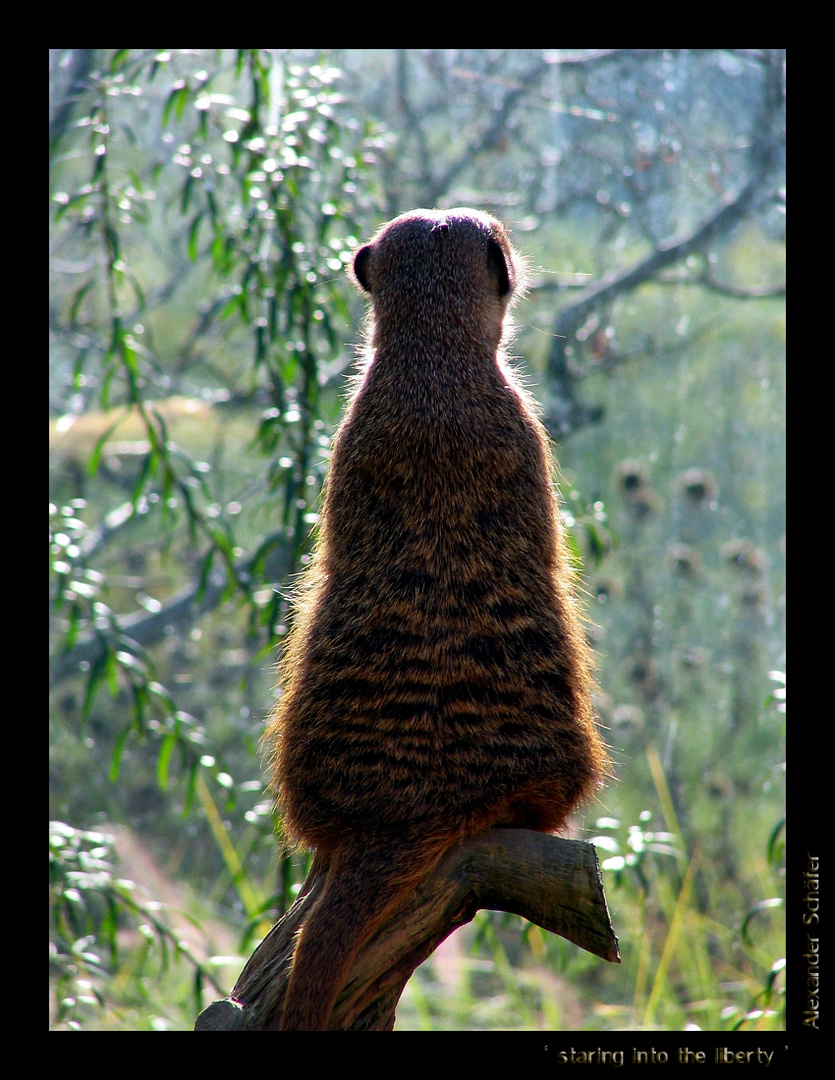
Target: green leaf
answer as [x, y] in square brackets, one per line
[192, 237]
[164, 760]
[763, 905]
[176, 101]
[118, 751]
[99, 671]
[98, 449]
[78, 298]
[205, 570]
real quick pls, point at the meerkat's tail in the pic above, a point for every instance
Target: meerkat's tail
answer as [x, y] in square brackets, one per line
[365, 881]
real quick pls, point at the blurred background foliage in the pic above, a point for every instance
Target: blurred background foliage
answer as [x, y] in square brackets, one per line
[203, 207]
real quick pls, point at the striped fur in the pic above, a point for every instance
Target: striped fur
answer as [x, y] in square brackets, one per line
[437, 679]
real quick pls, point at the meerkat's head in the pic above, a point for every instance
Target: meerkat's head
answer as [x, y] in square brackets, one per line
[440, 269]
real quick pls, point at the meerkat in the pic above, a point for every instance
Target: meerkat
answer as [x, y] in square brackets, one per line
[437, 680]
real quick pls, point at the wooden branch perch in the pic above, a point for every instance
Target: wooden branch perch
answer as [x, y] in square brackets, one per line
[554, 883]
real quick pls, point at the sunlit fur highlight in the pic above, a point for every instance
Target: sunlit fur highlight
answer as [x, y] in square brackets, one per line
[437, 679]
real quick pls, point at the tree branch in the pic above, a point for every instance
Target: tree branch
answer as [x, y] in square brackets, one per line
[552, 882]
[146, 629]
[729, 211]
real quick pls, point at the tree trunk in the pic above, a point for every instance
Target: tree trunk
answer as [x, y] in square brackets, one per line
[554, 883]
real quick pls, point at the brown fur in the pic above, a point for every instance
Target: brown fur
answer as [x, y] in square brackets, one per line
[437, 679]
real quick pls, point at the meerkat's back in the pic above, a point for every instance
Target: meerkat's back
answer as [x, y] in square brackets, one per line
[437, 680]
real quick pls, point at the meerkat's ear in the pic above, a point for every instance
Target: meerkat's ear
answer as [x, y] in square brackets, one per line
[498, 268]
[362, 267]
